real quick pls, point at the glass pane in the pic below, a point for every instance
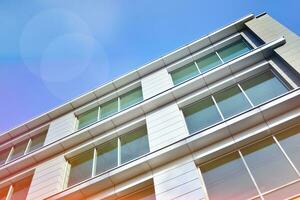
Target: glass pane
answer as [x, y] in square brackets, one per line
[131, 98]
[232, 101]
[268, 165]
[81, 167]
[3, 155]
[227, 178]
[18, 150]
[234, 50]
[87, 118]
[107, 156]
[285, 192]
[20, 189]
[263, 87]
[208, 62]
[3, 193]
[184, 73]
[134, 144]
[290, 142]
[37, 141]
[144, 194]
[109, 108]
[201, 114]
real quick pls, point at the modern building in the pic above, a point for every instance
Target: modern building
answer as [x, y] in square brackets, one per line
[218, 118]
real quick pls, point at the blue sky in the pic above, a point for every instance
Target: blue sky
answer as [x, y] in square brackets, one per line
[52, 51]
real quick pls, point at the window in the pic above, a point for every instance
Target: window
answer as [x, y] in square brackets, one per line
[134, 144]
[290, 141]
[227, 178]
[230, 101]
[147, 193]
[270, 164]
[234, 50]
[81, 167]
[3, 156]
[108, 155]
[18, 150]
[87, 118]
[109, 108]
[37, 141]
[201, 115]
[210, 61]
[22, 148]
[131, 98]
[263, 87]
[184, 73]
[19, 190]
[266, 162]
[3, 193]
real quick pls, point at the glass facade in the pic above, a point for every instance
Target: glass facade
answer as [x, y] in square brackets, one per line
[109, 155]
[270, 163]
[109, 108]
[210, 61]
[230, 101]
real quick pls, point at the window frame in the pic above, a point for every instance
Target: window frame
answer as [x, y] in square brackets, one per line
[252, 106]
[214, 48]
[117, 98]
[27, 150]
[276, 141]
[94, 149]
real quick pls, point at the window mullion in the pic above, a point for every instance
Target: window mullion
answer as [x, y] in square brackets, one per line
[286, 156]
[250, 174]
[197, 67]
[245, 95]
[28, 146]
[119, 151]
[10, 192]
[119, 104]
[9, 155]
[99, 113]
[217, 107]
[94, 163]
[219, 57]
